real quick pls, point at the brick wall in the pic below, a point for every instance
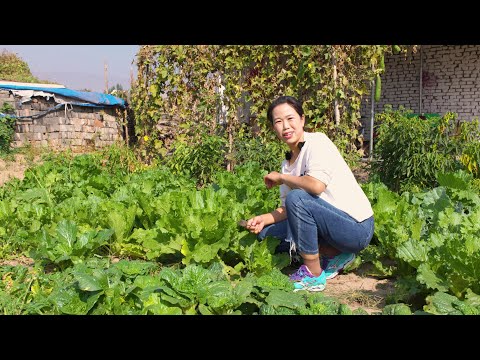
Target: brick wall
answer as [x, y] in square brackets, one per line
[78, 128]
[450, 82]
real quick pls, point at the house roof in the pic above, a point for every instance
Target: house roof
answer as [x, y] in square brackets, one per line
[81, 98]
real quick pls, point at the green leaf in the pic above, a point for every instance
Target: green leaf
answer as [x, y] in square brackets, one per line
[414, 252]
[67, 232]
[205, 253]
[426, 276]
[88, 282]
[154, 89]
[219, 294]
[396, 309]
[442, 303]
[135, 267]
[69, 301]
[287, 299]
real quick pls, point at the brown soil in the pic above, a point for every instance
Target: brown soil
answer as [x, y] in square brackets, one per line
[359, 290]
[362, 172]
[14, 168]
[19, 260]
[355, 289]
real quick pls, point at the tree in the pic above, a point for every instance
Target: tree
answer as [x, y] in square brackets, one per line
[118, 91]
[13, 68]
[116, 88]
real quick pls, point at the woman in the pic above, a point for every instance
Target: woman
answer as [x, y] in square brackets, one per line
[323, 209]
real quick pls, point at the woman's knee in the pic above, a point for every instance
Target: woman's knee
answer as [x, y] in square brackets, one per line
[294, 197]
[262, 234]
[278, 230]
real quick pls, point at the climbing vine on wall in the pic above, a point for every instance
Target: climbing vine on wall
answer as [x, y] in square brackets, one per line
[221, 87]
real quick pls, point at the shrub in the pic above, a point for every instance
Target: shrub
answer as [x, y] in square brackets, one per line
[201, 157]
[7, 127]
[411, 150]
[267, 151]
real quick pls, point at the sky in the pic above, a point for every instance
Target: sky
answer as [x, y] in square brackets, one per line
[80, 67]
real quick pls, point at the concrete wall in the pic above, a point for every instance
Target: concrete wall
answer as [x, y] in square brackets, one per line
[79, 128]
[450, 82]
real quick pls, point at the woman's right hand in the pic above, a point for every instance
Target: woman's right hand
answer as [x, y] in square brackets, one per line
[255, 224]
[272, 179]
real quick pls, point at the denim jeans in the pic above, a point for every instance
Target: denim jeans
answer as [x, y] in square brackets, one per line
[279, 231]
[312, 221]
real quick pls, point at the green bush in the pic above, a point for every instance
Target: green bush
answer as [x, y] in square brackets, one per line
[412, 150]
[7, 127]
[265, 150]
[470, 156]
[200, 156]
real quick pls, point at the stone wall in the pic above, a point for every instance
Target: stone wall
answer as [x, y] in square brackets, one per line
[450, 82]
[78, 128]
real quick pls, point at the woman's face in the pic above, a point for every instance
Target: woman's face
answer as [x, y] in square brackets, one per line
[288, 125]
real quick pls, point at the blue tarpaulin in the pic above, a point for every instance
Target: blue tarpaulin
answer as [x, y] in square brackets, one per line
[94, 98]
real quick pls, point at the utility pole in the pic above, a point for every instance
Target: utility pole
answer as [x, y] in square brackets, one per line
[335, 103]
[105, 71]
[131, 76]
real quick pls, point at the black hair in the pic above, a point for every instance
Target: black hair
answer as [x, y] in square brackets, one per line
[290, 100]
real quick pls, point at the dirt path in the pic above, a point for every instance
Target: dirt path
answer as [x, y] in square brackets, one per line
[355, 289]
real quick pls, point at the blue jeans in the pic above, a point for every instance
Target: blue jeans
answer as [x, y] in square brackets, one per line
[311, 222]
